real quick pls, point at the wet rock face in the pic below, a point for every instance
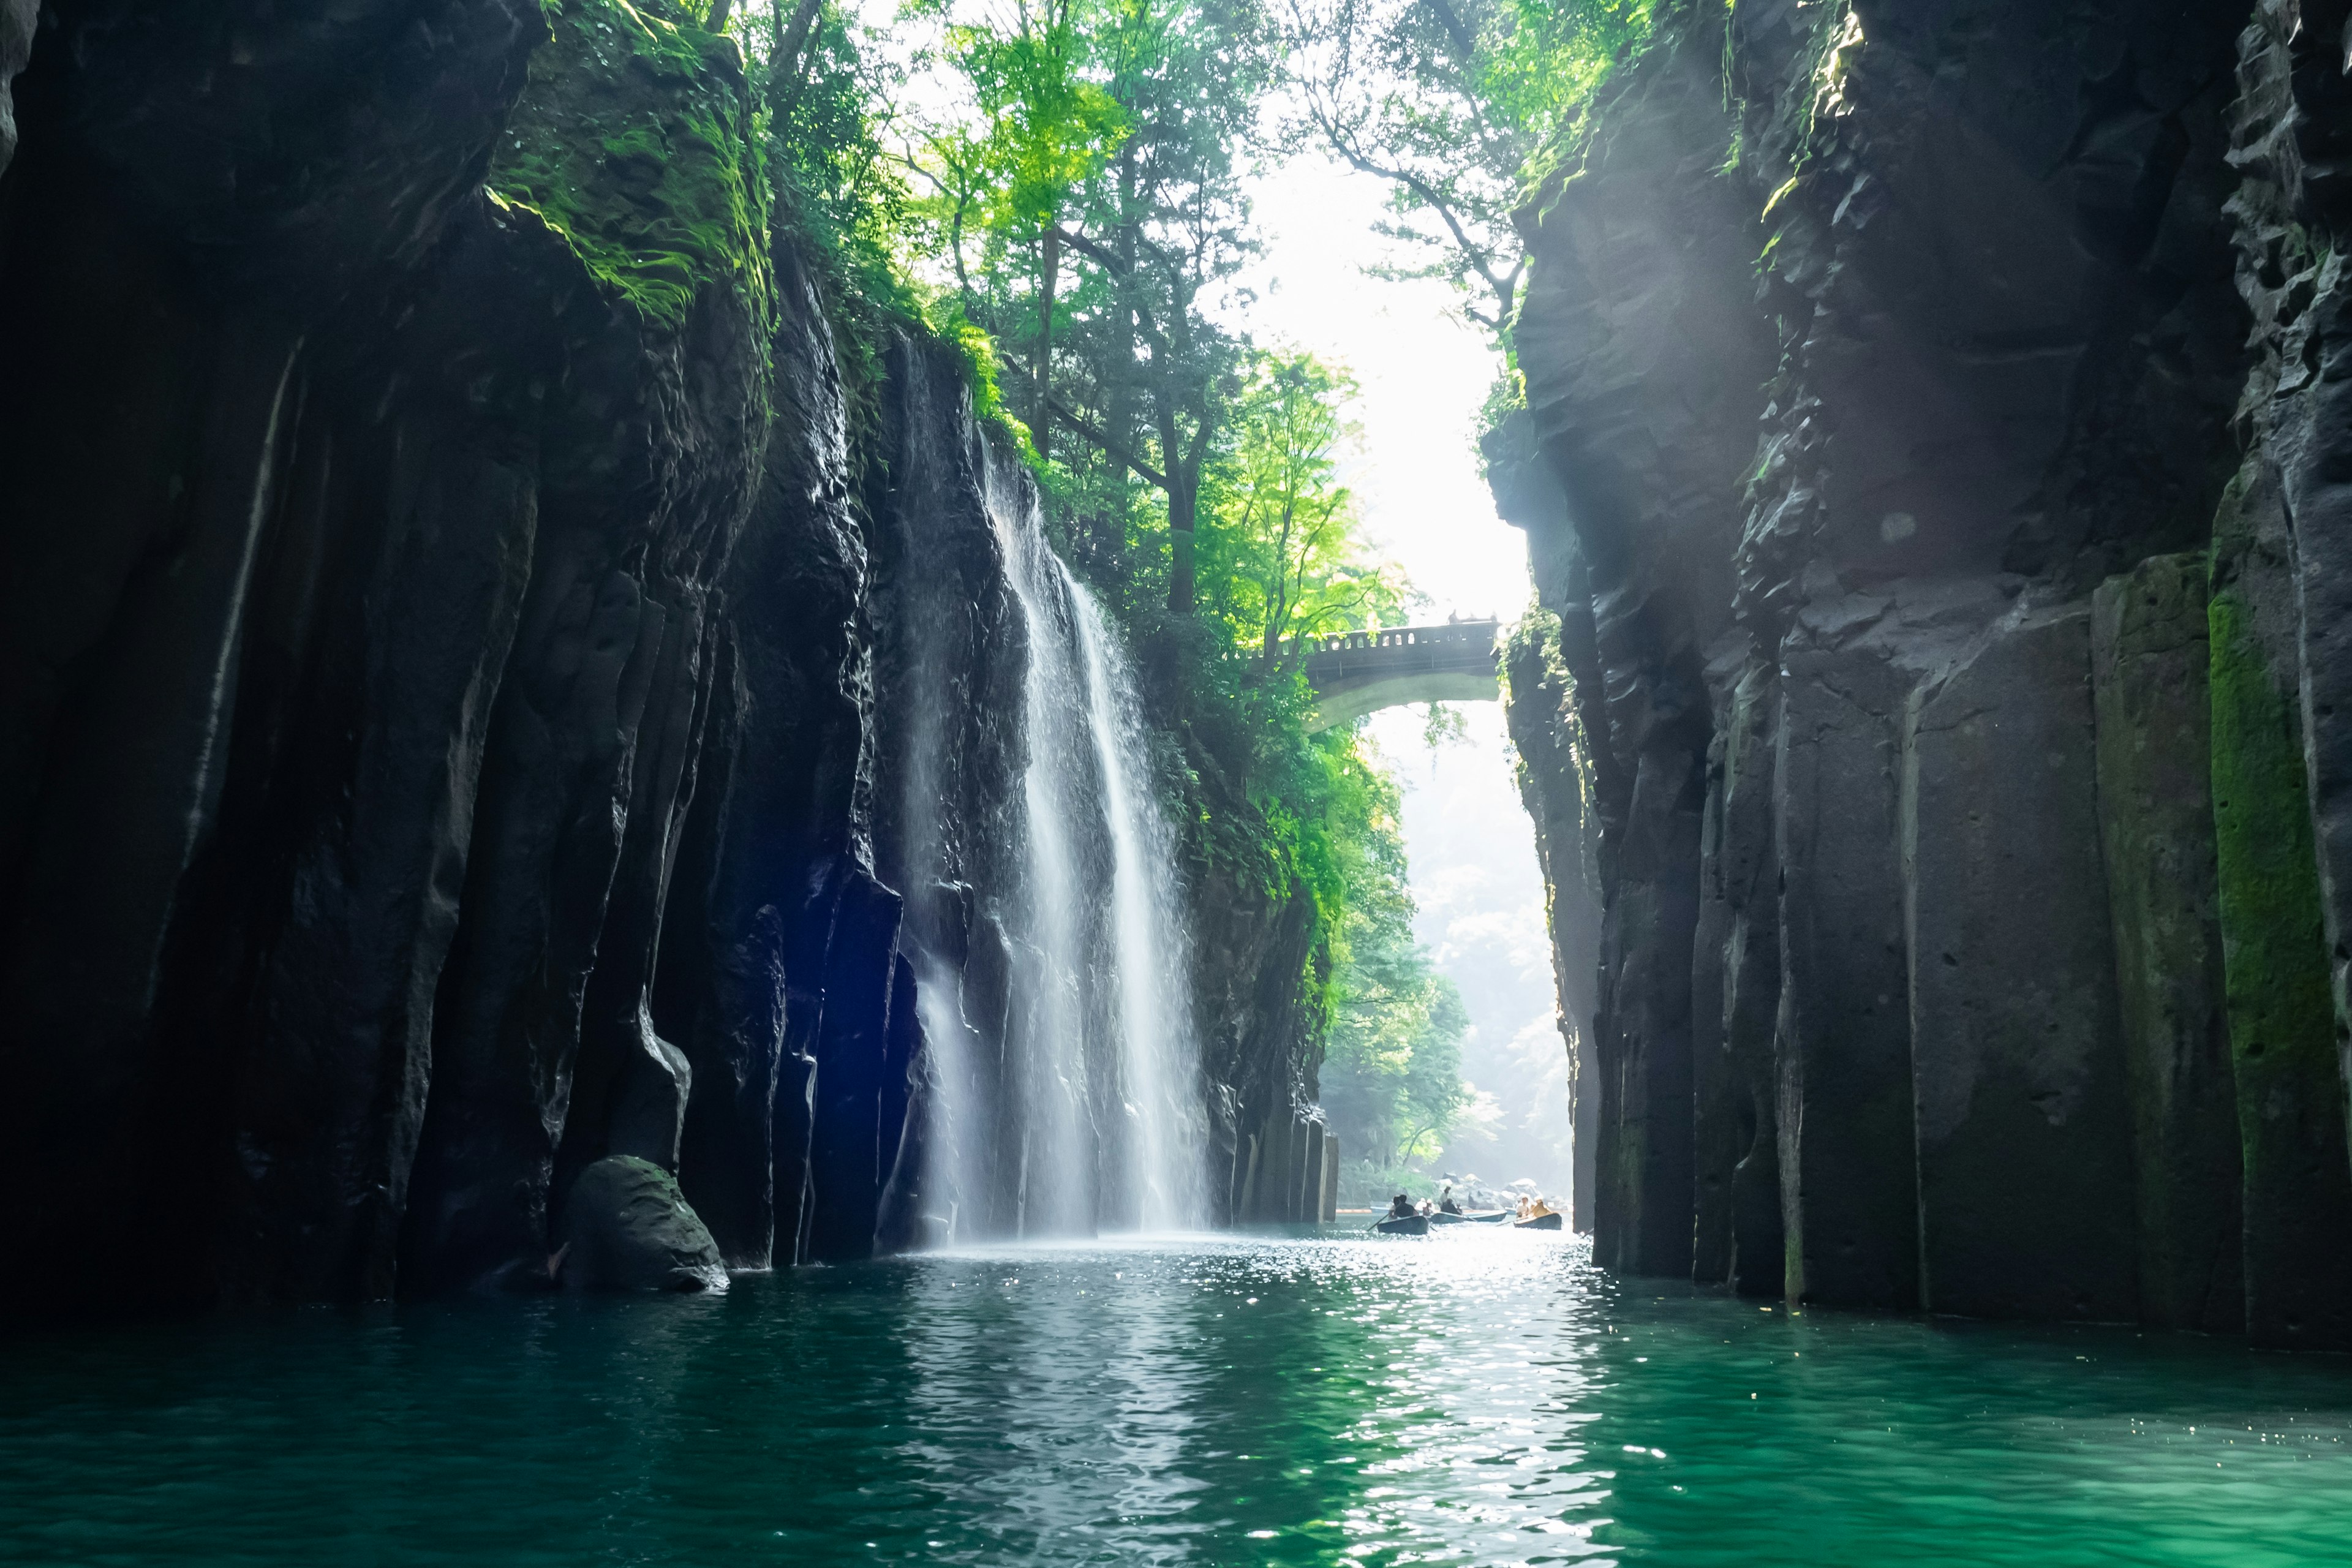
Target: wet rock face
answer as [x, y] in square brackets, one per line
[17, 20]
[626, 1226]
[2150, 660]
[1895, 568]
[439, 705]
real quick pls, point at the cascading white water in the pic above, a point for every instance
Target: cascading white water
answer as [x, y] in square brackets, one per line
[1159, 1053]
[1097, 1096]
[1056, 1187]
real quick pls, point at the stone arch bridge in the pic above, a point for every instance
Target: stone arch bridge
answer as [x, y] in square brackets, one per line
[1356, 673]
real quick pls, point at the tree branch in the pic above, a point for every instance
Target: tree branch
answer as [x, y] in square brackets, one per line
[1108, 444]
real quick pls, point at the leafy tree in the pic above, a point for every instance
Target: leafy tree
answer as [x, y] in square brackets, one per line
[1458, 104]
[1089, 212]
[1006, 180]
[1287, 537]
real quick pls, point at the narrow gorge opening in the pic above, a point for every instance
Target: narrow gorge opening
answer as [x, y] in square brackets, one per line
[1165, 781]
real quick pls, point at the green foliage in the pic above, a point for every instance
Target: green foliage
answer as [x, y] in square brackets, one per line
[1047, 122]
[1462, 106]
[836, 187]
[634, 142]
[1392, 1076]
[1079, 209]
[1081, 195]
[943, 314]
[1282, 553]
[1281, 558]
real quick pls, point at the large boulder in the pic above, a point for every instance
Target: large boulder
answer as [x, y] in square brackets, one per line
[628, 1227]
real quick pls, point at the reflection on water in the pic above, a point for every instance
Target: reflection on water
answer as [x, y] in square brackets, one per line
[1465, 1399]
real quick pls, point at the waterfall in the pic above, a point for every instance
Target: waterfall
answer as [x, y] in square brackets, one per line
[1051, 967]
[1069, 1094]
[1159, 1053]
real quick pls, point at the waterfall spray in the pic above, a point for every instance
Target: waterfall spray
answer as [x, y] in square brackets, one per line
[1159, 1056]
[1074, 1104]
[1050, 964]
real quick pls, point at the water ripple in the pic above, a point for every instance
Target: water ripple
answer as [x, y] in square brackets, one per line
[1323, 1399]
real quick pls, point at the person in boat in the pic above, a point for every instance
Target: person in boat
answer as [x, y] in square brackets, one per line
[1401, 1208]
[1445, 1204]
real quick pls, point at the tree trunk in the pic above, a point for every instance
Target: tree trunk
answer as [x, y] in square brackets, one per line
[1183, 498]
[1049, 270]
[784, 73]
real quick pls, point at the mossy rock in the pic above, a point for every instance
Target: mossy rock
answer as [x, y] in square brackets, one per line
[626, 1226]
[635, 143]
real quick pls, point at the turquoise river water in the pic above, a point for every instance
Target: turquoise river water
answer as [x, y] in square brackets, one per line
[1304, 1398]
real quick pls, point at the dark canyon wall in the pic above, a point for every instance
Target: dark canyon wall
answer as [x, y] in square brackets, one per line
[1932, 456]
[449, 665]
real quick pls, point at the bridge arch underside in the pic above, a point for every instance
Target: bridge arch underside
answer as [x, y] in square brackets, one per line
[1350, 698]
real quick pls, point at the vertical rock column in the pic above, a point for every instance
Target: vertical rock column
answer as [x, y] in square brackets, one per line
[2025, 1176]
[332, 1073]
[2155, 820]
[1642, 1215]
[2291, 1108]
[1748, 873]
[1330, 1211]
[1713, 1123]
[131, 785]
[1543, 729]
[1841, 1050]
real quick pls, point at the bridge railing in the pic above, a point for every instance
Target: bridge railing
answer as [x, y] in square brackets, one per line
[1453, 634]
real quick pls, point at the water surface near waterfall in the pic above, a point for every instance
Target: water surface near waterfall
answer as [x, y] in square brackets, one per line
[1329, 1399]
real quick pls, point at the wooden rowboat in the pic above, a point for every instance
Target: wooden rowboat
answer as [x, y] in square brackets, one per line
[1413, 1225]
[1541, 1222]
[1476, 1217]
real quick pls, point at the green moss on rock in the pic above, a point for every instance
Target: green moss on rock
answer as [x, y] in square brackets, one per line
[2298, 1188]
[2273, 943]
[634, 141]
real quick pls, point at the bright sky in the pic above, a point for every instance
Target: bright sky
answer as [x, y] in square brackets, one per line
[1424, 377]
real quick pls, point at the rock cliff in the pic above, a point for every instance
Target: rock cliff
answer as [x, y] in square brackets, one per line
[1929, 456]
[461, 623]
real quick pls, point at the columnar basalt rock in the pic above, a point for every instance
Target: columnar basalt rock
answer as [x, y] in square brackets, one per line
[2276, 639]
[461, 634]
[2025, 1175]
[1841, 1045]
[2149, 662]
[1740, 879]
[1643, 289]
[1542, 722]
[269, 554]
[2053, 1028]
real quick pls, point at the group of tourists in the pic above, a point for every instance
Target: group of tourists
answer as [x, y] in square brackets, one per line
[1529, 1207]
